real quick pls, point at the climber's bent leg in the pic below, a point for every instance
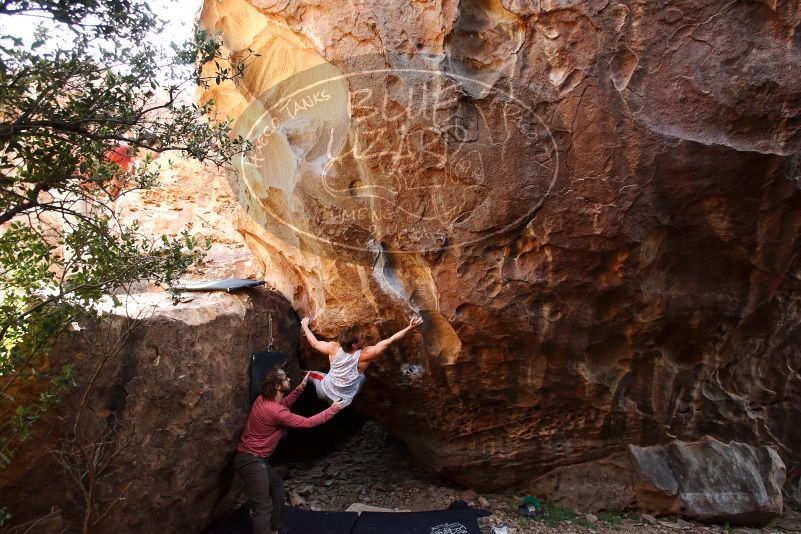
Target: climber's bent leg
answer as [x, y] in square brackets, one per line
[317, 379]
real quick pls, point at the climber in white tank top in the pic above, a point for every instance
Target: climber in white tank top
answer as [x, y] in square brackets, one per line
[348, 360]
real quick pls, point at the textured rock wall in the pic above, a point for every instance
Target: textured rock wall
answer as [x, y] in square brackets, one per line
[706, 481]
[195, 198]
[151, 425]
[710, 481]
[594, 206]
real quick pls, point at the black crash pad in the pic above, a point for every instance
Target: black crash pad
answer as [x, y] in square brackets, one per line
[298, 521]
[461, 521]
[229, 284]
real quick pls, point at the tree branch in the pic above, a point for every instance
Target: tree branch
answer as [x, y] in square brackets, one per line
[32, 202]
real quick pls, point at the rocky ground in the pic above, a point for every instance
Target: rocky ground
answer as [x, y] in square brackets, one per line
[374, 469]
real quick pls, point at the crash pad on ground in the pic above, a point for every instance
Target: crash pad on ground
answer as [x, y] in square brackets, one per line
[299, 521]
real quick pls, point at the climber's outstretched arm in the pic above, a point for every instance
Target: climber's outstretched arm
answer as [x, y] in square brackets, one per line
[326, 347]
[374, 351]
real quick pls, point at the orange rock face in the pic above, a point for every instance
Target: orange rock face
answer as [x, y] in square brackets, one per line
[197, 199]
[593, 205]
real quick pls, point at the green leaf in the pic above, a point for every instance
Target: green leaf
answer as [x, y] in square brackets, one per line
[91, 83]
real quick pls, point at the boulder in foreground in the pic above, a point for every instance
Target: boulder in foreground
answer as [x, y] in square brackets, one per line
[704, 480]
[710, 481]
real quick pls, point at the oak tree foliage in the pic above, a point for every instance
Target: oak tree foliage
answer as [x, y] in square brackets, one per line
[94, 87]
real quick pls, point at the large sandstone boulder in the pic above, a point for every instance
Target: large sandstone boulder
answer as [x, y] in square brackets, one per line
[710, 481]
[706, 480]
[593, 205]
[144, 439]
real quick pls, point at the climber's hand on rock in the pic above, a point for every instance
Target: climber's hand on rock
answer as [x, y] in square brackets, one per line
[415, 322]
[304, 322]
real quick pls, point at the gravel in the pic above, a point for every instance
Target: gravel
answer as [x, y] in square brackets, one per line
[373, 468]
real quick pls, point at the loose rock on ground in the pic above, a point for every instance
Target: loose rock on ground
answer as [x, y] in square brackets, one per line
[373, 468]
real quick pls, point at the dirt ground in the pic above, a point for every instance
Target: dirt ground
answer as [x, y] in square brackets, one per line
[372, 468]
